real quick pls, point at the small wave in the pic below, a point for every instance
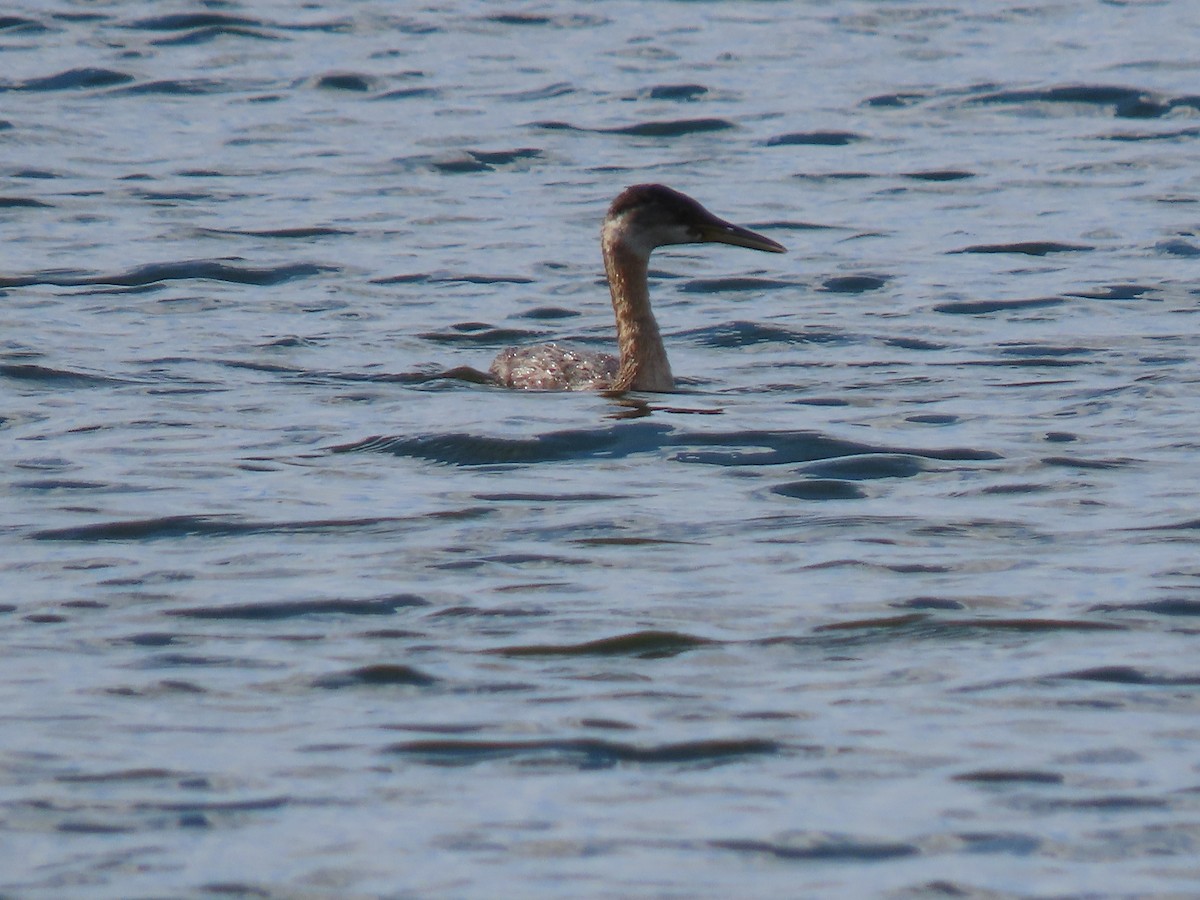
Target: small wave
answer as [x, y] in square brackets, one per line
[188, 21]
[723, 285]
[72, 79]
[1076, 462]
[174, 87]
[421, 376]
[452, 278]
[506, 157]
[479, 450]
[672, 128]
[584, 753]
[56, 377]
[820, 489]
[907, 343]
[153, 273]
[1104, 804]
[378, 675]
[942, 603]
[1010, 776]
[548, 92]
[544, 313]
[1115, 292]
[894, 101]
[940, 175]
[639, 644]
[122, 775]
[186, 196]
[933, 419]
[815, 139]
[745, 448]
[626, 541]
[59, 484]
[1175, 606]
[566, 20]
[749, 334]
[769, 448]
[1050, 361]
[408, 93]
[868, 466]
[300, 233]
[22, 203]
[853, 284]
[984, 307]
[1127, 102]
[667, 128]
[346, 81]
[1027, 248]
[526, 497]
[484, 335]
[930, 626]
[212, 526]
[834, 176]
[473, 161]
[15, 24]
[792, 224]
[1140, 136]
[466, 611]
[677, 92]
[820, 847]
[1130, 675]
[211, 33]
[1178, 247]
[292, 609]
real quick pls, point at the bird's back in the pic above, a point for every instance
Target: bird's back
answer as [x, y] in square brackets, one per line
[552, 367]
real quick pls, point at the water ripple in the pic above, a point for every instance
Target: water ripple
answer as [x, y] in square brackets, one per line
[189, 21]
[583, 753]
[658, 129]
[153, 273]
[276, 611]
[640, 644]
[378, 675]
[477, 450]
[1127, 102]
[815, 138]
[820, 848]
[71, 80]
[1027, 248]
[217, 526]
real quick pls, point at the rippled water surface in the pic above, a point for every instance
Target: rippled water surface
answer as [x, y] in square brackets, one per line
[897, 597]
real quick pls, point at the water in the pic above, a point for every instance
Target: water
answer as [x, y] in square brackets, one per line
[898, 597]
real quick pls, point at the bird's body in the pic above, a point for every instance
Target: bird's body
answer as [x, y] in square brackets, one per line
[553, 367]
[642, 218]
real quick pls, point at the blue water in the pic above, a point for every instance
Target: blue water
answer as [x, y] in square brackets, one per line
[898, 596]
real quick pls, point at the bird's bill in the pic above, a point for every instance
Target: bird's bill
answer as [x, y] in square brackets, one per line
[721, 232]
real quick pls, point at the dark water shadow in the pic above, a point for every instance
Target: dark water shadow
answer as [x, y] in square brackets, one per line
[153, 273]
[582, 753]
[744, 448]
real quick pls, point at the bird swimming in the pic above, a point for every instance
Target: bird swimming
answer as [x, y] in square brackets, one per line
[641, 218]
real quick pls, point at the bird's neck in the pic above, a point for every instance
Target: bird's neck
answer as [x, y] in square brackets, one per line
[644, 365]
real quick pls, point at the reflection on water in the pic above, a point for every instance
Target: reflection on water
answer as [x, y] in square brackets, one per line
[894, 597]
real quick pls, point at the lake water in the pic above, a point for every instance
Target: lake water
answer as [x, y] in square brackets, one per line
[897, 597]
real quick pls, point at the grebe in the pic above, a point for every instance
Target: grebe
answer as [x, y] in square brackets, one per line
[642, 217]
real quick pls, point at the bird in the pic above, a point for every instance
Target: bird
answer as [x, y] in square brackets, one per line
[640, 219]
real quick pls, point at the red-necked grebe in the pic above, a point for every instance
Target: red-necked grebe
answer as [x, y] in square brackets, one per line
[642, 218]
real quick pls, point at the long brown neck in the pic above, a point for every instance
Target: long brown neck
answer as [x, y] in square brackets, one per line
[644, 365]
